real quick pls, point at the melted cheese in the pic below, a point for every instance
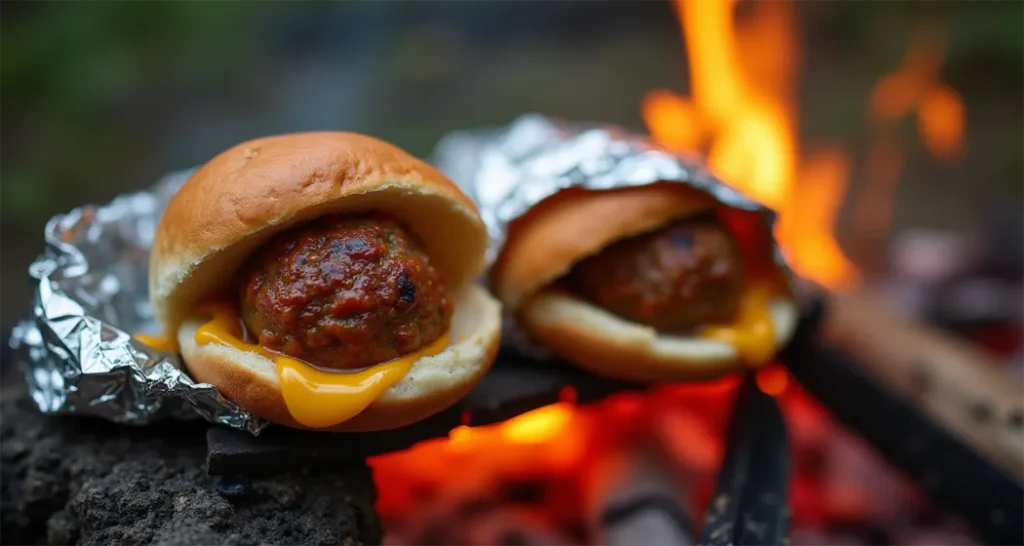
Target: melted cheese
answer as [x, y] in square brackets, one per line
[314, 398]
[161, 343]
[751, 333]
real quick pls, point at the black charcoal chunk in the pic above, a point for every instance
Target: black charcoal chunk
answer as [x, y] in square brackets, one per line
[80, 481]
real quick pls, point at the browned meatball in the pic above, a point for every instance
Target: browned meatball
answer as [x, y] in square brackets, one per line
[343, 292]
[687, 274]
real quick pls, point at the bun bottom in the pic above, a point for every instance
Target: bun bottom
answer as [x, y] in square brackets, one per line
[433, 383]
[608, 345]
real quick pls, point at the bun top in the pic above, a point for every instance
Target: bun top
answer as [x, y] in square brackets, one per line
[576, 223]
[259, 188]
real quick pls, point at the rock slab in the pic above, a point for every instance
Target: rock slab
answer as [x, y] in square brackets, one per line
[83, 481]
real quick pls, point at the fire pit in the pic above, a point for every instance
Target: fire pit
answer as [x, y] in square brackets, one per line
[541, 453]
[526, 458]
[86, 481]
[567, 473]
[744, 511]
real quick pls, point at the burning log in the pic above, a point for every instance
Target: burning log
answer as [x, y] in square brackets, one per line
[72, 481]
[927, 437]
[750, 503]
[953, 384]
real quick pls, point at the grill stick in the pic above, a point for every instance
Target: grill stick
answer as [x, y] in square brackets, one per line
[750, 504]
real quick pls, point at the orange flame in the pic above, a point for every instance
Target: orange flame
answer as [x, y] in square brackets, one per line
[773, 379]
[538, 426]
[897, 94]
[824, 179]
[742, 114]
[913, 88]
[941, 120]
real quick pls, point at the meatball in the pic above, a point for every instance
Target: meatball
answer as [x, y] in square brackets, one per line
[343, 292]
[687, 274]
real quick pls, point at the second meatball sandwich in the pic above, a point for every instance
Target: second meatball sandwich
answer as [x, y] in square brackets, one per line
[326, 281]
[651, 283]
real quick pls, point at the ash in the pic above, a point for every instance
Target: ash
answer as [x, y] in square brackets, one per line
[76, 481]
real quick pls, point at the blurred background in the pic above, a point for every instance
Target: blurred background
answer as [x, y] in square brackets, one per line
[101, 99]
[889, 134]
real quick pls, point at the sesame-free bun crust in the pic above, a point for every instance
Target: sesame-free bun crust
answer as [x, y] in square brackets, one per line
[573, 224]
[256, 189]
[432, 384]
[608, 345]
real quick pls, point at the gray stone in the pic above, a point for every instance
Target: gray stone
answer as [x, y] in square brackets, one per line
[79, 481]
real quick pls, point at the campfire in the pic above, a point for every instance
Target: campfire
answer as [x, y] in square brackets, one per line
[551, 475]
[543, 453]
[742, 115]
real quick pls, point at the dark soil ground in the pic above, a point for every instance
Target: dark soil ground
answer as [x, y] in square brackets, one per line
[78, 481]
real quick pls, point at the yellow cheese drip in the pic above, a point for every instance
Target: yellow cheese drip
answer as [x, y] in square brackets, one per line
[751, 333]
[315, 398]
[161, 343]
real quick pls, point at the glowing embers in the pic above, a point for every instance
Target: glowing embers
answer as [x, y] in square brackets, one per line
[538, 470]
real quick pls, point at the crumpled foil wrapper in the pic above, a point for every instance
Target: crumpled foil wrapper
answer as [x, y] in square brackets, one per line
[91, 294]
[509, 170]
[91, 283]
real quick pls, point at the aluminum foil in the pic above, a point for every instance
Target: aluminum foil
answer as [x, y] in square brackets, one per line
[509, 170]
[91, 290]
[91, 294]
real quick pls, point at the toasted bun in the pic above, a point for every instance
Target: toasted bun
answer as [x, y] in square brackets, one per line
[573, 224]
[247, 194]
[255, 190]
[606, 344]
[432, 384]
